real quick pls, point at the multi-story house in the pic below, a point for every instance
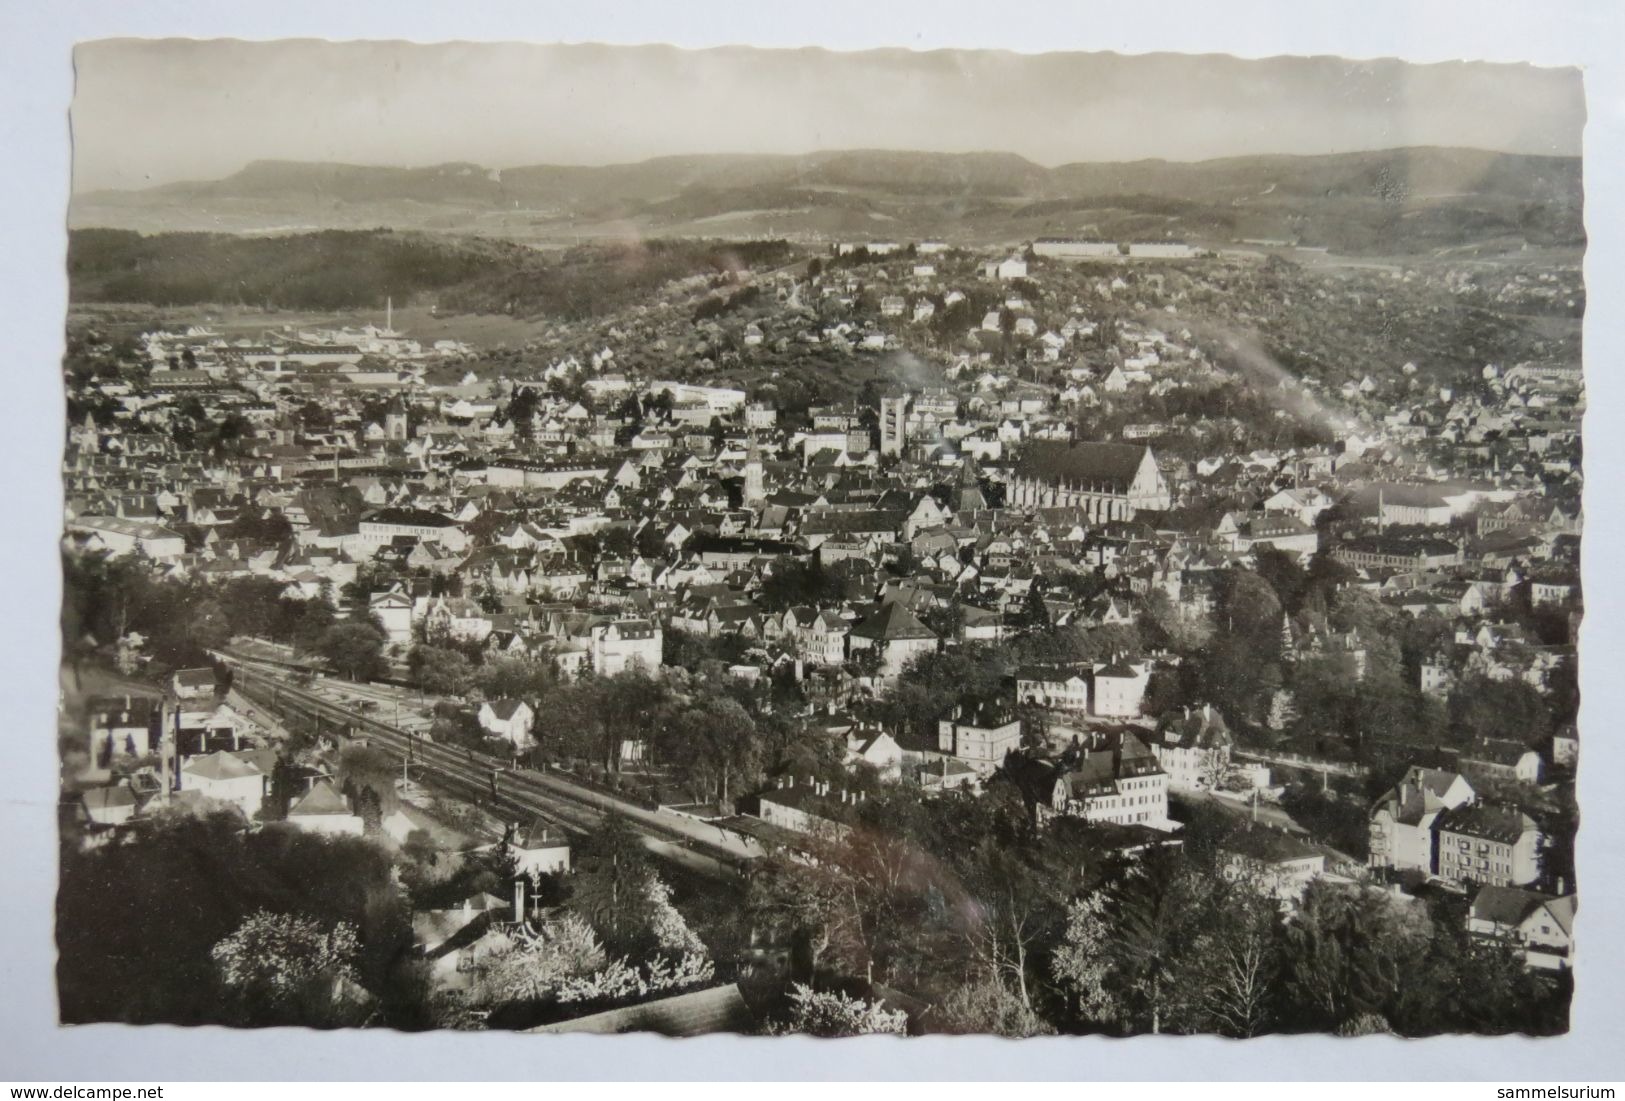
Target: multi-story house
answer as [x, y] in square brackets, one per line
[1114, 778]
[896, 633]
[1487, 844]
[1063, 687]
[1120, 687]
[981, 738]
[381, 527]
[1401, 834]
[1193, 748]
[626, 644]
[1281, 865]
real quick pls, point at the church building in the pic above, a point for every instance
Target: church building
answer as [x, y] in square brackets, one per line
[1110, 481]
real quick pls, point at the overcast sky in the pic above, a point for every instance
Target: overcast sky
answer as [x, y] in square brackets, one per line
[151, 112]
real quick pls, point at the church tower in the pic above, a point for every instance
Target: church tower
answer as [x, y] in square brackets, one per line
[395, 420]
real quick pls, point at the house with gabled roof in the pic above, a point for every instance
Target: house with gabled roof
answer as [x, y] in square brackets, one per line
[113, 805]
[896, 633]
[455, 941]
[1106, 776]
[874, 747]
[1193, 746]
[1537, 925]
[509, 719]
[1401, 831]
[540, 849]
[324, 809]
[227, 778]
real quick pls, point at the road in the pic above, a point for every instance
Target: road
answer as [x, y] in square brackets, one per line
[522, 795]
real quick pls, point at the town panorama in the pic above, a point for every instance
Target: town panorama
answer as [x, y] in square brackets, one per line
[1121, 621]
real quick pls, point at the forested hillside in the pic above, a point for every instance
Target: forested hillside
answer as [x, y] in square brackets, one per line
[340, 269]
[328, 270]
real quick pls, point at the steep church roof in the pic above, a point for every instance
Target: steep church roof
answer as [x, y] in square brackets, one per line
[1086, 463]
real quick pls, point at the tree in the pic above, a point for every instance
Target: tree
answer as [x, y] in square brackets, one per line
[1239, 960]
[531, 966]
[611, 883]
[596, 716]
[419, 849]
[1364, 1024]
[1018, 899]
[1327, 693]
[1079, 964]
[1129, 958]
[670, 930]
[368, 774]
[1236, 676]
[1283, 573]
[830, 1013]
[1034, 612]
[620, 979]
[166, 874]
[987, 1006]
[871, 902]
[287, 962]
[1249, 611]
[795, 583]
[354, 649]
[439, 670]
[515, 678]
[1509, 710]
[715, 741]
[1352, 951]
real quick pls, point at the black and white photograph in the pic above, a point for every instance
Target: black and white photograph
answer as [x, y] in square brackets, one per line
[633, 539]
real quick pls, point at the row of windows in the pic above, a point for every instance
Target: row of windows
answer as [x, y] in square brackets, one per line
[1125, 818]
[1465, 845]
[1128, 801]
[1466, 866]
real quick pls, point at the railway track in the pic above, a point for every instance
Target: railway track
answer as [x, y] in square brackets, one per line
[493, 783]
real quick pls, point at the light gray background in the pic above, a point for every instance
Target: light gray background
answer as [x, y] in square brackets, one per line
[36, 39]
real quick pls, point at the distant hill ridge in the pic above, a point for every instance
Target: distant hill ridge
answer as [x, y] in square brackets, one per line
[1423, 169]
[1385, 200]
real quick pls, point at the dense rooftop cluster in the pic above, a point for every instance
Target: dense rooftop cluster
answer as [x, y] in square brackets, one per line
[1042, 577]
